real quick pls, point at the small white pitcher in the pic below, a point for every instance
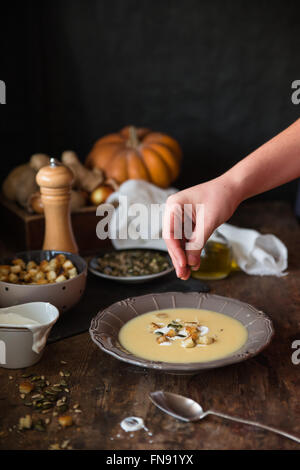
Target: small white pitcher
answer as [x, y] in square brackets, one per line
[22, 345]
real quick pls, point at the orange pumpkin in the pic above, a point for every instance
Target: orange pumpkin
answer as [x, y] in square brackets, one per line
[137, 154]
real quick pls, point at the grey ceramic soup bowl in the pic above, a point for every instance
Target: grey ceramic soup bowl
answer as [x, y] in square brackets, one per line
[105, 327]
[63, 295]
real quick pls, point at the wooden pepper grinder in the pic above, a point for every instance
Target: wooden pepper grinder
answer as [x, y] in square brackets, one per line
[55, 181]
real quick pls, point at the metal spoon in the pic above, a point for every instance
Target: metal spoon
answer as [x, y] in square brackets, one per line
[187, 409]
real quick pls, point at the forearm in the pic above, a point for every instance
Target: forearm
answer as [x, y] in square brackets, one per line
[273, 164]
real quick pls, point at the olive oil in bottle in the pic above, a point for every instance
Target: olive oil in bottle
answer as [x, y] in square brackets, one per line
[216, 259]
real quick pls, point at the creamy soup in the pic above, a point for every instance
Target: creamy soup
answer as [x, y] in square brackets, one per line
[15, 319]
[183, 335]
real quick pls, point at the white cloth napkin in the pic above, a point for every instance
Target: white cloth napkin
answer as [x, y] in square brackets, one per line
[256, 254]
[137, 191]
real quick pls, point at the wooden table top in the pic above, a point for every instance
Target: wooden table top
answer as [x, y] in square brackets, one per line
[264, 388]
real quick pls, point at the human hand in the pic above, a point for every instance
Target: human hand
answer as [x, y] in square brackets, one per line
[205, 206]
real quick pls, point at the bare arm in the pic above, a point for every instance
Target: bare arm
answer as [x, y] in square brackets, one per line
[274, 163]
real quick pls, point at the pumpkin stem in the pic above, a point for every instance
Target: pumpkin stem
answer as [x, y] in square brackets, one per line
[133, 140]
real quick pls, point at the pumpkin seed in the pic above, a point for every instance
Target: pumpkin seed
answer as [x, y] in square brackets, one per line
[51, 392]
[46, 406]
[175, 325]
[38, 400]
[61, 401]
[132, 263]
[52, 398]
[63, 408]
[40, 383]
[39, 427]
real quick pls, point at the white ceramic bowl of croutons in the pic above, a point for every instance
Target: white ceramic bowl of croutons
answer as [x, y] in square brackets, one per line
[33, 279]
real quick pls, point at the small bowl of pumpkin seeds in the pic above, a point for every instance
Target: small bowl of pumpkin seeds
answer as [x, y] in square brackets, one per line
[131, 265]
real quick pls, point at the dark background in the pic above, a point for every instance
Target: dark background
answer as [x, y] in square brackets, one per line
[216, 75]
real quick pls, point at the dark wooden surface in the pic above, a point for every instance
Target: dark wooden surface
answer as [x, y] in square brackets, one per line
[265, 388]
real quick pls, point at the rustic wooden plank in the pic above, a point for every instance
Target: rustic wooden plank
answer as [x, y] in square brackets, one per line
[265, 388]
[22, 230]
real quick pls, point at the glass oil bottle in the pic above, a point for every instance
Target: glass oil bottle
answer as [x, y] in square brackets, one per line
[216, 259]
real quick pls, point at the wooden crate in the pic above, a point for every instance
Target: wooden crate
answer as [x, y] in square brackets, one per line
[23, 231]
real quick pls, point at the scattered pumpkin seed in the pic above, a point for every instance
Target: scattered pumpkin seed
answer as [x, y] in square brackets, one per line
[50, 392]
[35, 378]
[45, 398]
[52, 398]
[63, 408]
[39, 426]
[47, 406]
[40, 383]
